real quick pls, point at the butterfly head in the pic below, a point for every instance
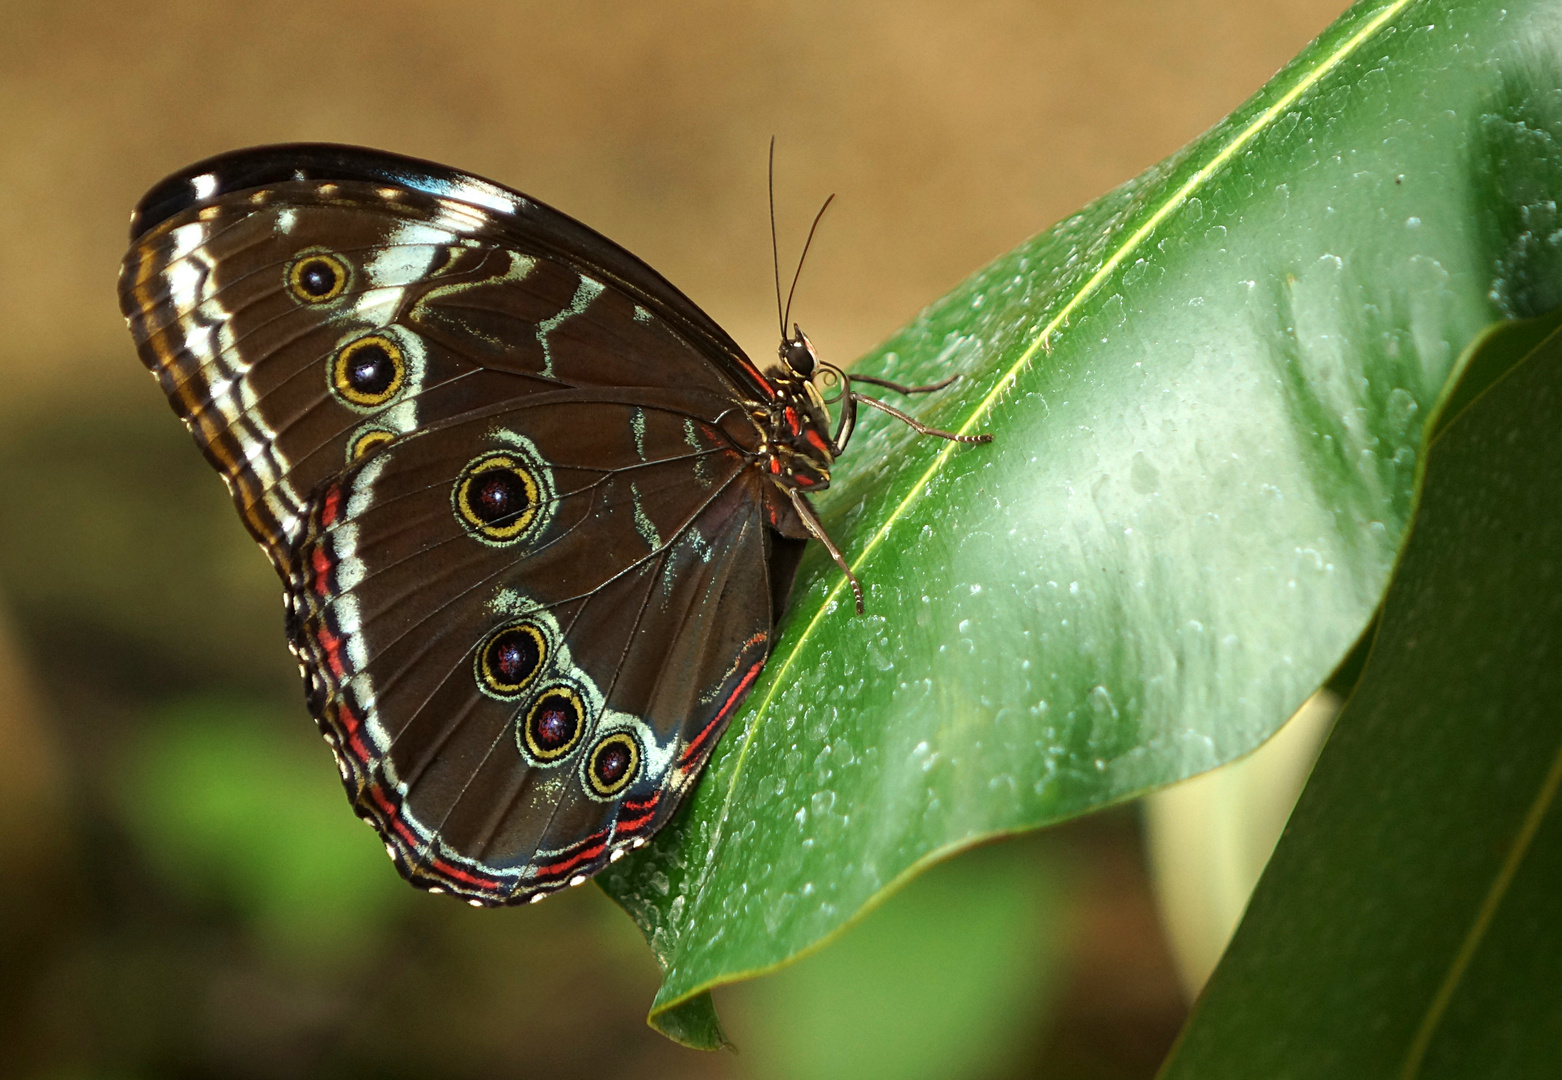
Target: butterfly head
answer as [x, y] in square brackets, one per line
[800, 368]
[798, 354]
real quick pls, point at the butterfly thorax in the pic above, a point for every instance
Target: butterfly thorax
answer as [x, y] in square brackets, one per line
[796, 450]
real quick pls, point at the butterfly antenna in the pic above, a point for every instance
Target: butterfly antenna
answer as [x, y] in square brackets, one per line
[806, 245]
[775, 250]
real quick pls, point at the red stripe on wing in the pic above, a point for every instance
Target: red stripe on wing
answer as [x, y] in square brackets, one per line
[691, 751]
[353, 726]
[589, 848]
[645, 811]
[322, 565]
[764, 383]
[332, 644]
[391, 814]
[331, 506]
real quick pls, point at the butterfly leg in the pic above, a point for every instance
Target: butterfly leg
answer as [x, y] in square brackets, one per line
[812, 524]
[902, 389]
[917, 425]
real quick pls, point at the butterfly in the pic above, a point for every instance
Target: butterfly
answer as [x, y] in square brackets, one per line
[535, 513]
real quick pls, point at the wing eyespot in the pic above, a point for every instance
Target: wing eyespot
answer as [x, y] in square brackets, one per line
[498, 497]
[509, 659]
[613, 764]
[369, 372]
[316, 277]
[554, 724]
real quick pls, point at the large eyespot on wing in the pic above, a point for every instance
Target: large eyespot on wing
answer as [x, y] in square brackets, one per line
[316, 277]
[612, 764]
[502, 497]
[511, 716]
[510, 657]
[368, 372]
[554, 722]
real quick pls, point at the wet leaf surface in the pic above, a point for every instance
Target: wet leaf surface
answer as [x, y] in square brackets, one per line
[1208, 392]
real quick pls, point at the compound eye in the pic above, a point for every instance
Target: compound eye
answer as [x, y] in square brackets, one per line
[799, 355]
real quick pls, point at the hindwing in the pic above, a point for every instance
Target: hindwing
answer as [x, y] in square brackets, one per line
[592, 597]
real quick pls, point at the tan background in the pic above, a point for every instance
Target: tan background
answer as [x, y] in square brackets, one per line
[951, 131]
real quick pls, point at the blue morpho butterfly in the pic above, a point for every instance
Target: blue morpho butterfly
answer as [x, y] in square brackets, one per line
[536, 513]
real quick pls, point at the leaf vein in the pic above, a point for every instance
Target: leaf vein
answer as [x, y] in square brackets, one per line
[1483, 918]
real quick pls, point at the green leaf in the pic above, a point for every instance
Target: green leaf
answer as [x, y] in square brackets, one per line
[1406, 926]
[1208, 392]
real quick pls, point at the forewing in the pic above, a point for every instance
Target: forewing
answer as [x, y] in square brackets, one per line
[300, 318]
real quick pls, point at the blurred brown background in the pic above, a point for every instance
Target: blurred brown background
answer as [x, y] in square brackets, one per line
[173, 904]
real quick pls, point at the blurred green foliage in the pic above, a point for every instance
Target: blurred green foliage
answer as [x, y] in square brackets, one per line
[225, 811]
[945, 979]
[119, 551]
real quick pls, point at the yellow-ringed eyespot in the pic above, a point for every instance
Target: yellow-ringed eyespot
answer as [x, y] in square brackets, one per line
[613, 765]
[509, 658]
[316, 277]
[497, 497]
[554, 724]
[366, 441]
[368, 372]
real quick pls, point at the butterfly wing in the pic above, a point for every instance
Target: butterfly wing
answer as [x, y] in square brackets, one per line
[384, 359]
